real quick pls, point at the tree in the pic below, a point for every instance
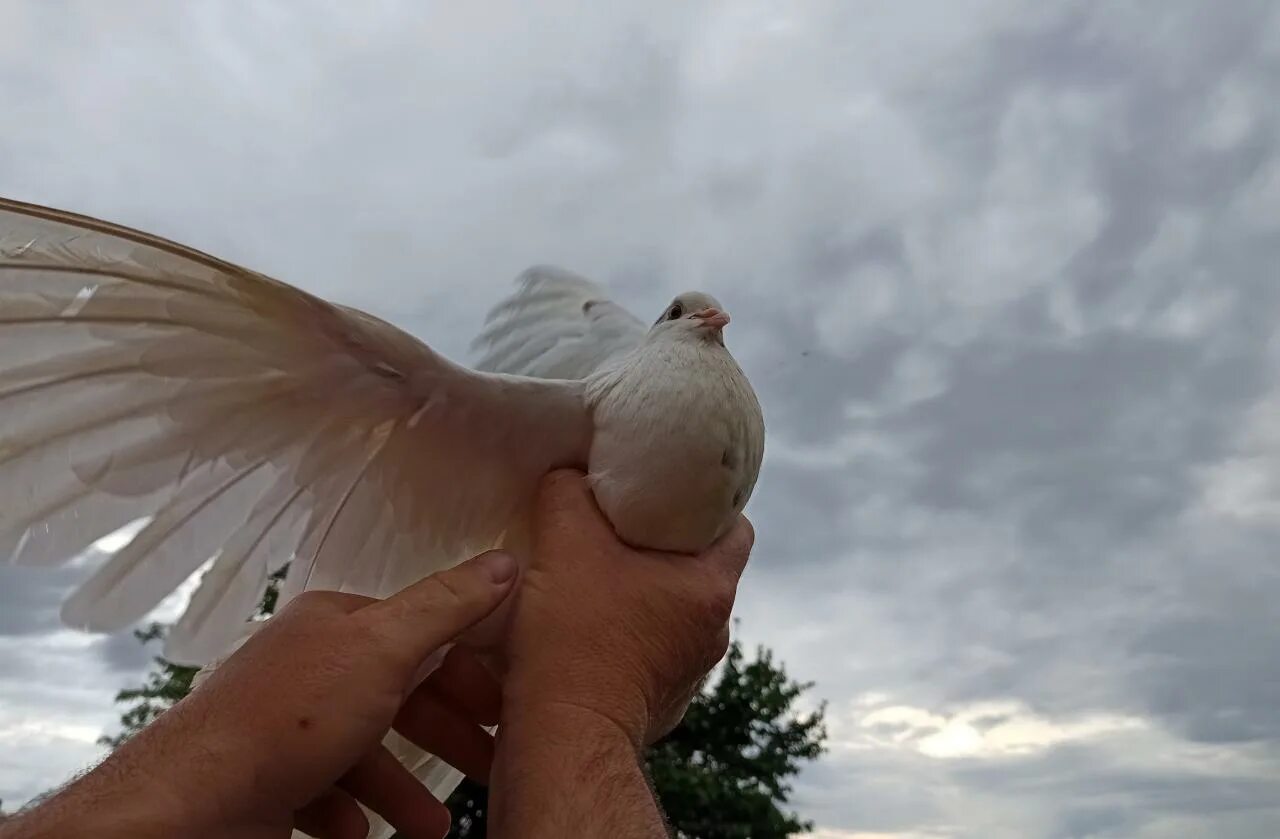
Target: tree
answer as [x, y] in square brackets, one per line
[168, 682]
[721, 774]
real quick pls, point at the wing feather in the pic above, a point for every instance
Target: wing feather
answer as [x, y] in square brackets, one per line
[247, 421]
[181, 537]
[556, 325]
[228, 594]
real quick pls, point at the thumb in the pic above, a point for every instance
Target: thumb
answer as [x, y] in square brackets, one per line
[565, 499]
[435, 610]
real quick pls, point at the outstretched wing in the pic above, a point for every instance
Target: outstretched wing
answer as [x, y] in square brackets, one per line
[557, 325]
[250, 422]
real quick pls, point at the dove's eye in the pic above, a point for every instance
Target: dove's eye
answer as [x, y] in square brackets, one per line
[675, 312]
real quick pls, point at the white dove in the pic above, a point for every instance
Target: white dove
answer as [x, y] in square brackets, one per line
[255, 424]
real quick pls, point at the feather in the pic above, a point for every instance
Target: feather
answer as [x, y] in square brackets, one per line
[182, 536]
[229, 592]
[556, 325]
[246, 420]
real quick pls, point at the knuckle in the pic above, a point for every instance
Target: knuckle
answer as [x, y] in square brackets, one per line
[560, 482]
[378, 647]
[446, 591]
[370, 639]
[715, 608]
[563, 492]
[311, 601]
[719, 647]
[560, 477]
[709, 652]
[307, 599]
[705, 617]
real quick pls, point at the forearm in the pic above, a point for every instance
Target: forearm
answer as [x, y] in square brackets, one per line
[564, 771]
[159, 784]
[110, 801]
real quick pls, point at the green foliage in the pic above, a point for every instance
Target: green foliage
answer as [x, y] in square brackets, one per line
[721, 774]
[166, 684]
[724, 771]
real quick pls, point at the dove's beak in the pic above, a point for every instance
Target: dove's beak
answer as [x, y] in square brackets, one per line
[712, 318]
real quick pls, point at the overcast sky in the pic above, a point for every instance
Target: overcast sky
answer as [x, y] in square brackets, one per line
[1004, 273]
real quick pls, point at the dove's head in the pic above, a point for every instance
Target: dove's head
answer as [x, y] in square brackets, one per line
[692, 316]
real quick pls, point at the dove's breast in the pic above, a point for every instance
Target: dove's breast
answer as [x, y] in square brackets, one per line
[677, 446]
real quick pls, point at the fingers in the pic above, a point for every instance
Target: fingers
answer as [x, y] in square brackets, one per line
[563, 485]
[436, 726]
[334, 815]
[464, 683]
[732, 550]
[315, 601]
[384, 785]
[444, 714]
[564, 495]
[433, 611]
[721, 646]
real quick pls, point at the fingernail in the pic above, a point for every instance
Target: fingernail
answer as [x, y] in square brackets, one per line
[500, 565]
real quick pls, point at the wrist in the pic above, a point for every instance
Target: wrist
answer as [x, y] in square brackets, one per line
[582, 696]
[550, 717]
[563, 769]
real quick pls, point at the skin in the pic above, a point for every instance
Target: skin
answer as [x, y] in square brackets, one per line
[606, 647]
[233, 759]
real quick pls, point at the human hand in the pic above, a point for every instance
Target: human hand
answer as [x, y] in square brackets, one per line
[288, 730]
[623, 634]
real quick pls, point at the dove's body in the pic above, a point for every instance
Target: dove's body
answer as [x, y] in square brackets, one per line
[678, 439]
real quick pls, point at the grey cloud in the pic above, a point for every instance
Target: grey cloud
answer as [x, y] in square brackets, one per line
[1102, 432]
[30, 598]
[1003, 273]
[124, 654]
[809, 387]
[1214, 674]
[878, 796]
[1110, 801]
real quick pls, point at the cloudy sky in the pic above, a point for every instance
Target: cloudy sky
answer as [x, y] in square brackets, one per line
[1004, 273]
